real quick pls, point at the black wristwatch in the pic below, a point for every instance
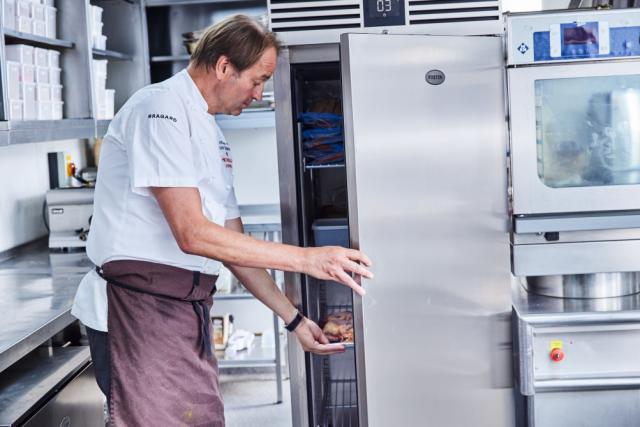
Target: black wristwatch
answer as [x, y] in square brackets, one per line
[294, 323]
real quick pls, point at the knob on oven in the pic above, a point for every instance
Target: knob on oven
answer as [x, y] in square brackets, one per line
[557, 354]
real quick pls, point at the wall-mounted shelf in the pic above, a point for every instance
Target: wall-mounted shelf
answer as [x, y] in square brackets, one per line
[101, 127]
[111, 54]
[171, 58]
[26, 131]
[37, 41]
[248, 120]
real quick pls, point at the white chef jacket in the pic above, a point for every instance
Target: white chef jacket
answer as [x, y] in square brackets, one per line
[162, 137]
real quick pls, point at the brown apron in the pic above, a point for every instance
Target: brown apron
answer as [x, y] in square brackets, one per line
[162, 369]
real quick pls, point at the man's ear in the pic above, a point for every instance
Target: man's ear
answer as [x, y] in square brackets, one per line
[224, 69]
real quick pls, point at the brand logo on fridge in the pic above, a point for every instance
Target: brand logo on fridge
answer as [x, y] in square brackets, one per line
[435, 77]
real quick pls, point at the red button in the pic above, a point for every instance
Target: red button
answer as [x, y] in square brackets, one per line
[557, 354]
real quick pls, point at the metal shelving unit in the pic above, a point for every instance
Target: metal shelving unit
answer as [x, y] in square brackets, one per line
[111, 54]
[124, 25]
[167, 20]
[39, 41]
[256, 356]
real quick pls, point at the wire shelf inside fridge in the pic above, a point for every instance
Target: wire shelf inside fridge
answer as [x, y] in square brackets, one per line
[340, 400]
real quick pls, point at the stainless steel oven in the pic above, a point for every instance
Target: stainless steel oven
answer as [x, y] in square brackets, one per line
[574, 84]
[574, 108]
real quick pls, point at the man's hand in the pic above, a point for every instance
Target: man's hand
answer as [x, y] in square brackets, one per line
[313, 339]
[334, 263]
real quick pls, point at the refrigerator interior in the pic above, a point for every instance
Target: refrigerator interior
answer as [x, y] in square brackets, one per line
[319, 142]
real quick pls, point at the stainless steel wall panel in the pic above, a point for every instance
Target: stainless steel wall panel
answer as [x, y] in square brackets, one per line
[430, 210]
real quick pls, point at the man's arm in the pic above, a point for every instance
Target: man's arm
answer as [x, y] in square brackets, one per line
[196, 235]
[259, 282]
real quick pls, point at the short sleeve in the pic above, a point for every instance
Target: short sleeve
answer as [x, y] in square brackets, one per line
[159, 144]
[231, 205]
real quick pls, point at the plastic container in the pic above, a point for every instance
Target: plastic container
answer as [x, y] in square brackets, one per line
[100, 41]
[96, 29]
[42, 75]
[54, 58]
[51, 19]
[109, 103]
[56, 110]
[96, 16]
[41, 57]
[44, 110]
[37, 11]
[15, 109]
[27, 73]
[9, 15]
[21, 53]
[13, 79]
[39, 28]
[29, 110]
[54, 76]
[43, 92]
[23, 8]
[24, 24]
[331, 232]
[100, 66]
[56, 93]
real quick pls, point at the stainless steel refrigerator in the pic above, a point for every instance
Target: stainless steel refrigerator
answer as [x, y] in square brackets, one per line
[421, 186]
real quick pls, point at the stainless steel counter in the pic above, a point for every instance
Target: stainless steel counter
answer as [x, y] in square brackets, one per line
[36, 293]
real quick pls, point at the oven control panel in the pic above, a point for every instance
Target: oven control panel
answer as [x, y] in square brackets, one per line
[572, 36]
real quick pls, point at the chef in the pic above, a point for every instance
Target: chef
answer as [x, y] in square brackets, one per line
[165, 220]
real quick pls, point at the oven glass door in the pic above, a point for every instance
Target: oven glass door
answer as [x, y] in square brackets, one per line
[575, 137]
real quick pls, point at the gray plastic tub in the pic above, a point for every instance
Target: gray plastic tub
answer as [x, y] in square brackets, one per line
[331, 232]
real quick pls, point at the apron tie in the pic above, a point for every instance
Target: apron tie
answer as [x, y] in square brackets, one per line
[202, 311]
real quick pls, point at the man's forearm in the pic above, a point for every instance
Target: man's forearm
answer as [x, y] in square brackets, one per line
[261, 285]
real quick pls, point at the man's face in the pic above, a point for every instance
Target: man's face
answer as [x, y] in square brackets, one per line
[242, 88]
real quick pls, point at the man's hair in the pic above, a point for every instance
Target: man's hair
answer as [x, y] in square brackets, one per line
[239, 38]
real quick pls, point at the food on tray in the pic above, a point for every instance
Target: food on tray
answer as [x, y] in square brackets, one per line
[338, 327]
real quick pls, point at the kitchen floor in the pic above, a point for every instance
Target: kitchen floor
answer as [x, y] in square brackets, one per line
[249, 398]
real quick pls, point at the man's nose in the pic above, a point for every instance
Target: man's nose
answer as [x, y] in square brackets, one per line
[257, 93]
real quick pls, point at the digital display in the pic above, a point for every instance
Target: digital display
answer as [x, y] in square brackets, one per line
[378, 13]
[575, 34]
[384, 8]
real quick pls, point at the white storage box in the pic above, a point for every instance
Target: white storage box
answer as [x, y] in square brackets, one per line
[24, 24]
[109, 103]
[100, 66]
[99, 84]
[13, 80]
[56, 93]
[96, 15]
[41, 57]
[54, 58]
[56, 110]
[54, 76]
[23, 8]
[29, 110]
[100, 42]
[37, 11]
[96, 29]
[39, 28]
[21, 53]
[27, 73]
[15, 109]
[9, 16]
[44, 110]
[51, 20]
[48, 2]
[42, 75]
[43, 92]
